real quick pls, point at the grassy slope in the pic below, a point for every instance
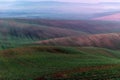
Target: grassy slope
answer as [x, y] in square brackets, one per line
[14, 33]
[33, 62]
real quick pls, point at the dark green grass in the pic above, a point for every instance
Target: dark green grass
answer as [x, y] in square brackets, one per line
[12, 42]
[29, 63]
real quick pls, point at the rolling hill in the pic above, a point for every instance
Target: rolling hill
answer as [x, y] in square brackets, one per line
[111, 40]
[27, 31]
[112, 17]
[87, 26]
[31, 30]
[56, 49]
[12, 32]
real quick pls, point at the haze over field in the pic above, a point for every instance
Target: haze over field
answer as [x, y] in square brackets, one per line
[60, 9]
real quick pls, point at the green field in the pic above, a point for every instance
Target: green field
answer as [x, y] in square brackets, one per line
[49, 63]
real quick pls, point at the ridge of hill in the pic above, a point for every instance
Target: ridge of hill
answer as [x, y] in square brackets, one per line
[87, 26]
[110, 40]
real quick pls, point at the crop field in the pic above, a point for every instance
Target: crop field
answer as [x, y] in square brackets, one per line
[49, 63]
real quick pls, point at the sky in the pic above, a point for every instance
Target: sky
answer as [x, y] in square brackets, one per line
[80, 1]
[20, 4]
[88, 1]
[28, 5]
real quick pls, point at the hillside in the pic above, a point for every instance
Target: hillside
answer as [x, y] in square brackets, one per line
[17, 29]
[87, 26]
[26, 31]
[45, 63]
[12, 32]
[111, 40]
[112, 17]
